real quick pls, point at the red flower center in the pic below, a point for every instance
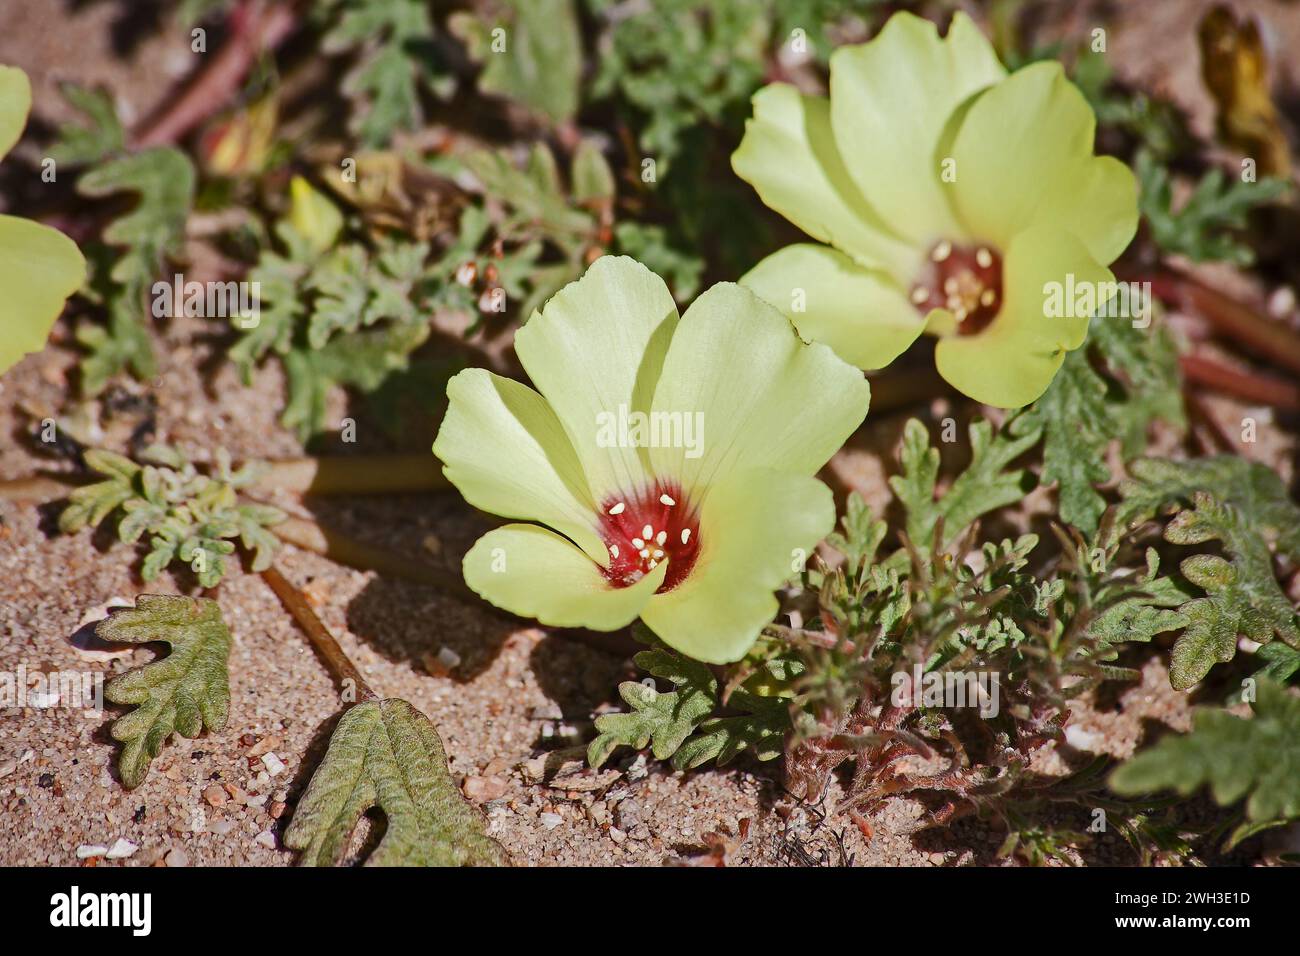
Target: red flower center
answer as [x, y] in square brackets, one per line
[965, 280]
[644, 530]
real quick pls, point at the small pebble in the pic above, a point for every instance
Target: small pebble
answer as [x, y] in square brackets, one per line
[274, 765]
[551, 820]
[121, 849]
[483, 789]
[177, 857]
[215, 795]
[266, 838]
[617, 835]
[88, 850]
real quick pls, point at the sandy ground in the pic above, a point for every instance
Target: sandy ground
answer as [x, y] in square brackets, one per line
[518, 692]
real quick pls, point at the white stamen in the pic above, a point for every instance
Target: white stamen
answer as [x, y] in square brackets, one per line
[942, 251]
[647, 532]
[987, 297]
[950, 286]
[652, 565]
[657, 554]
[661, 537]
[638, 543]
[618, 508]
[919, 295]
[613, 551]
[667, 500]
[984, 258]
[686, 535]
[645, 552]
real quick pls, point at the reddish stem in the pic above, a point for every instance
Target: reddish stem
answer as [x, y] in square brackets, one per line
[256, 29]
[1250, 386]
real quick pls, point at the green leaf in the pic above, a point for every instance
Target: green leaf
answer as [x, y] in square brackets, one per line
[1245, 506]
[1083, 411]
[385, 754]
[541, 63]
[164, 179]
[1257, 758]
[662, 720]
[1207, 225]
[187, 516]
[183, 692]
[983, 486]
[593, 180]
[103, 135]
[1243, 596]
[395, 59]
[760, 730]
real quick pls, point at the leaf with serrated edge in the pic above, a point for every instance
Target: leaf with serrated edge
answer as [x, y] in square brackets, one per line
[1233, 755]
[385, 754]
[184, 691]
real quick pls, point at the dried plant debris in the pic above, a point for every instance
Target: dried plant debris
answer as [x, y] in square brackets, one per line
[183, 692]
[386, 755]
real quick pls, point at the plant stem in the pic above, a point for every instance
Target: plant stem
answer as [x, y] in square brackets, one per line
[356, 475]
[340, 665]
[1261, 389]
[256, 28]
[1269, 339]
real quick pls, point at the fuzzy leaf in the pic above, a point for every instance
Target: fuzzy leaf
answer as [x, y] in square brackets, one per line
[385, 754]
[183, 692]
[542, 61]
[985, 485]
[1083, 410]
[392, 40]
[1207, 225]
[663, 720]
[164, 179]
[1243, 505]
[1257, 758]
[102, 136]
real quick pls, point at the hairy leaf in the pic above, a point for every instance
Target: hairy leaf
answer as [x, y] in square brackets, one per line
[541, 62]
[386, 755]
[394, 60]
[183, 692]
[1245, 506]
[187, 516]
[1257, 758]
[661, 720]
[1207, 225]
[1083, 411]
[983, 486]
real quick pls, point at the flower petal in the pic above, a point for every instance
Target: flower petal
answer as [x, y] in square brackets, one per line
[503, 447]
[599, 344]
[1024, 158]
[890, 101]
[15, 104]
[858, 312]
[789, 155]
[1012, 362]
[756, 530]
[533, 572]
[751, 393]
[39, 268]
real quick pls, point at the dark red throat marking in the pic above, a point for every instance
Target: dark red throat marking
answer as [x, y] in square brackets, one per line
[645, 529]
[965, 280]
